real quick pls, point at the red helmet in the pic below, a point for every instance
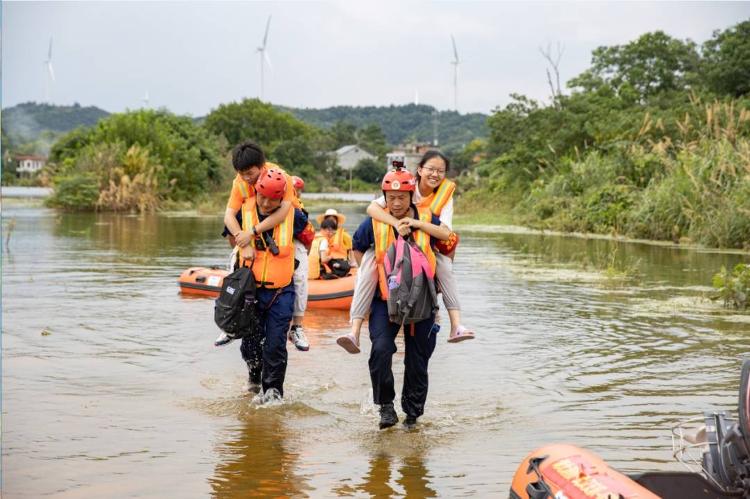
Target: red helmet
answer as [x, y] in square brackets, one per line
[272, 184]
[298, 183]
[399, 180]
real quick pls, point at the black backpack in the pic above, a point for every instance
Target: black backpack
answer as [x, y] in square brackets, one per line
[234, 311]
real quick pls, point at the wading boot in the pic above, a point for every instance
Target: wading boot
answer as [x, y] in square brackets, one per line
[410, 422]
[388, 416]
[254, 378]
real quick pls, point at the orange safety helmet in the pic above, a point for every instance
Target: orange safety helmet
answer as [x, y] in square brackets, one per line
[298, 183]
[272, 184]
[399, 180]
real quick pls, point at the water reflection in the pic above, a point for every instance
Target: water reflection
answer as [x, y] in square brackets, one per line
[561, 355]
[388, 476]
[259, 459]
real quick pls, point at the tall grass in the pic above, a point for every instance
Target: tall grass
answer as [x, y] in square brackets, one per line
[690, 186]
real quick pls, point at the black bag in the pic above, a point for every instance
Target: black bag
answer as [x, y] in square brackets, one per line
[234, 310]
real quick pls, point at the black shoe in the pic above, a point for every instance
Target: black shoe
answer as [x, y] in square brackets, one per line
[410, 422]
[388, 416]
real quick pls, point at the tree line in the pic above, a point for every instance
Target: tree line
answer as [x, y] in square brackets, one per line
[652, 141]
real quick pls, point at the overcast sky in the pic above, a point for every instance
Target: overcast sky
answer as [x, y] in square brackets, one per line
[191, 57]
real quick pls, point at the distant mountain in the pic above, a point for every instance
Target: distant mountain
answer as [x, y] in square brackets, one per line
[31, 121]
[26, 122]
[402, 123]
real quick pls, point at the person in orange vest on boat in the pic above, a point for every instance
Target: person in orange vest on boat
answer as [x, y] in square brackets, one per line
[330, 255]
[435, 192]
[419, 338]
[250, 163]
[271, 256]
[329, 259]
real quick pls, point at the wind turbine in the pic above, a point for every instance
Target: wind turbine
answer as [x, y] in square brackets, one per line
[456, 61]
[50, 71]
[146, 99]
[262, 50]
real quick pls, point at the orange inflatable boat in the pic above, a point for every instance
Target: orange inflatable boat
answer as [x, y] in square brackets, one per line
[328, 294]
[574, 473]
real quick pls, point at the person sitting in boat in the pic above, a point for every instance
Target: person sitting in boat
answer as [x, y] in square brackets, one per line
[341, 241]
[250, 163]
[398, 187]
[271, 256]
[435, 192]
[325, 260]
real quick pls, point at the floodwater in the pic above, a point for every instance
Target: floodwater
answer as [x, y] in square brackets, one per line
[112, 387]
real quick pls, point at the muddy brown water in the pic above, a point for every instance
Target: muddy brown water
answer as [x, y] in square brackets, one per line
[112, 388]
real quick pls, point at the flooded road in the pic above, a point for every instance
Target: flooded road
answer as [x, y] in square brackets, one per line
[112, 387]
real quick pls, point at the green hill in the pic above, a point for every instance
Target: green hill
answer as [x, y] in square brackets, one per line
[402, 123]
[26, 122]
[38, 125]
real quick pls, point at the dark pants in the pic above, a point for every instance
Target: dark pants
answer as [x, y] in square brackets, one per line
[265, 353]
[419, 348]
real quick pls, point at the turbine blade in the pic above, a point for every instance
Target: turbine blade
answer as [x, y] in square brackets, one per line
[49, 52]
[455, 50]
[265, 37]
[50, 70]
[268, 59]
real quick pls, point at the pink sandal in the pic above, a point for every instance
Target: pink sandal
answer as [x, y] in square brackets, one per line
[461, 334]
[348, 343]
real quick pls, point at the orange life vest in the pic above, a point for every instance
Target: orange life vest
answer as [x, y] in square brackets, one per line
[248, 191]
[340, 244]
[437, 200]
[271, 271]
[384, 237]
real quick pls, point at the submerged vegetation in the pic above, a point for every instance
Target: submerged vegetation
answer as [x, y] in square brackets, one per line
[734, 287]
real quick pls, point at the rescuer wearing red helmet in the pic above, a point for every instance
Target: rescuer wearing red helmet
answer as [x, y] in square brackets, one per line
[250, 163]
[271, 255]
[434, 191]
[373, 236]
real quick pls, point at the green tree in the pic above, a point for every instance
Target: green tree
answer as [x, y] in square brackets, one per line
[369, 170]
[343, 134]
[372, 139]
[254, 120]
[188, 157]
[726, 61]
[653, 63]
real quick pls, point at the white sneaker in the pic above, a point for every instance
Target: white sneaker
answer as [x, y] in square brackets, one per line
[222, 340]
[297, 336]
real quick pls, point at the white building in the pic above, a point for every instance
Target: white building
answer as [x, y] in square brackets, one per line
[29, 165]
[347, 157]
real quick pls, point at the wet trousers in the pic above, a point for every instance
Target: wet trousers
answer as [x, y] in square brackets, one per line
[265, 351]
[300, 279]
[419, 348]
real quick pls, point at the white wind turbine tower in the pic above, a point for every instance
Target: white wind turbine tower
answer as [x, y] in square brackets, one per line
[263, 51]
[146, 100]
[50, 71]
[456, 61]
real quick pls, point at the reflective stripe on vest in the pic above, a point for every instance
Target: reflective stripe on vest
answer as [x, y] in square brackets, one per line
[313, 259]
[271, 271]
[436, 201]
[337, 245]
[384, 237]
